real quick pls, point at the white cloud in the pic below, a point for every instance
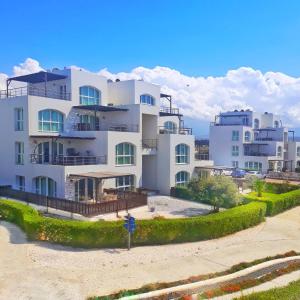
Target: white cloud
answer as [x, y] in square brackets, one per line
[204, 97]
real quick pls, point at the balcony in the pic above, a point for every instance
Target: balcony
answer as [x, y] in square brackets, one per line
[201, 156]
[255, 153]
[106, 127]
[33, 91]
[65, 160]
[149, 143]
[169, 111]
[184, 131]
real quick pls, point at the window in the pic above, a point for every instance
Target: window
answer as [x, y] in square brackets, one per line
[298, 151]
[147, 99]
[235, 151]
[45, 186]
[279, 166]
[247, 136]
[19, 153]
[89, 122]
[256, 123]
[182, 154]
[51, 121]
[89, 95]
[235, 164]
[20, 183]
[235, 135]
[125, 183]
[253, 165]
[276, 124]
[279, 151]
[182, 178]
[125, 154]
[19, 119]
[84, 188]
[170, 127]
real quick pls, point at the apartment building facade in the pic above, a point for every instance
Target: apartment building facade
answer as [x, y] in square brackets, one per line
[72, 134]
[254, 141]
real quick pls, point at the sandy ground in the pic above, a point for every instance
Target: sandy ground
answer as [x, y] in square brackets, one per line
[45, 271]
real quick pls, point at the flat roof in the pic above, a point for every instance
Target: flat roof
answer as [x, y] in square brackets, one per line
[41, 76]
[100, 108]
[101, 175]
[64, 137]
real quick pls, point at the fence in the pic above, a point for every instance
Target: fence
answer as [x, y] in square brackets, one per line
[126, 200]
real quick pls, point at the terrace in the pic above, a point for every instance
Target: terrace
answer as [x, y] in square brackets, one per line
[181, 130]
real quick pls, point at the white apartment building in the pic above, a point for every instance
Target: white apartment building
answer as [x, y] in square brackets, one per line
[71, 134]
[249, 140]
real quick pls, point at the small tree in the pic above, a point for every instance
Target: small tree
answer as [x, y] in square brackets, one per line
[216, 190]
[258, 186]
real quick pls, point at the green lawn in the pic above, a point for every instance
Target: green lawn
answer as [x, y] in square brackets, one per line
[290, 292]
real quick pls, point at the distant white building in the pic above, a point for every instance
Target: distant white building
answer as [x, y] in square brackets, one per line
[70, 134]
[250, 140]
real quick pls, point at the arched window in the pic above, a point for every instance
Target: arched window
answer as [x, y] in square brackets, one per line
[247, 136]
[89, 95]
[182, 178]
[279, 151]
[256, 123]
[125, 153]
[182, 154]
[170, 127]
[276, 124]
[147, 99]
[51, 121]
[45, 186]
[298, 151]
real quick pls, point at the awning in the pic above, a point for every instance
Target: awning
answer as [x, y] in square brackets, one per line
[64, 137]
[99, 108]
[38, 77]
[100, 175]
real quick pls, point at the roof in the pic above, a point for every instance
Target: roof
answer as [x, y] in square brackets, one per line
[101, 175]
[220, 168]
[64, 137]
[100, 108]
[41, 76]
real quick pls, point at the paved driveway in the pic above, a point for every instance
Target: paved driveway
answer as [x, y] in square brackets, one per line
[45, 271]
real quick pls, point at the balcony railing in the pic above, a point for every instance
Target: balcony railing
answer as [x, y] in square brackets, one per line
[201, 156]
[268, 139]
[106, 127]
[149, 143]
[64, 160]
[33, 91]
[169, 111]
[185, 131]
[255, 153]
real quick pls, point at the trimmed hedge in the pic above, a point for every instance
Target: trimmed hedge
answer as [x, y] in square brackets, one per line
[279, 188]
[277, 203]
[104, 234]
[181, 192]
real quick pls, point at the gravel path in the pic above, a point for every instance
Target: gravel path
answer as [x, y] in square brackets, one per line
[45, 271]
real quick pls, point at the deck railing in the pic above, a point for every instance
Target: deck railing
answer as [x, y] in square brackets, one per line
[201, 156]
[126, 200]
[169, 111]
[65, 160]
[106, 127]
[33, 91]
[149, 143]
[184, 131]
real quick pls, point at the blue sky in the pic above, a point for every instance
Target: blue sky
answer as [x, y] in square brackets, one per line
[195, 37]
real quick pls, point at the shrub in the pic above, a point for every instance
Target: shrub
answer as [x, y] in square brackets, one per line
[259, 186]
[182, 192]
[277, 203]
[149, 232]
[279, 188]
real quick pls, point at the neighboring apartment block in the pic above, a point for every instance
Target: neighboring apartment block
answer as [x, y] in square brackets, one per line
[71, 134]
[254, 141]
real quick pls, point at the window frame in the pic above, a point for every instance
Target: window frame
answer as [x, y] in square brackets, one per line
[182, 154]
[247, 136]
[19, 118]
[125, 186]
[125, 151]
[50, 125]
[298, 151]
[91, 98]
[235, 136]
[235, 150]
[147, 99]
[20, 182]
[19, 153]
[183, 181]
[170, 129]
[39, 180]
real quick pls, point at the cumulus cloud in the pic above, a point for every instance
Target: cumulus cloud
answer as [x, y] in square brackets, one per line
[204, 97]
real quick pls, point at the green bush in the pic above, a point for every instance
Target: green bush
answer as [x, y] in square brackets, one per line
[149, 232]
[277, 203]
[182, 192]
[279, 188]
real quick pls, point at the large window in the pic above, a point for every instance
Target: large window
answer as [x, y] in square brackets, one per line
[19, 153]
[235, 151]
[20, 183]
[170, 127]
[89, 95]
[125, 153]
[125, 183]
[45, 186]
[279, 151]
[182, 178]
[253, 165]
[84, 189]
[19, 119]
[182, 154]
[247, 136]
[235, 135]
[147, 99]
[51, 121]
